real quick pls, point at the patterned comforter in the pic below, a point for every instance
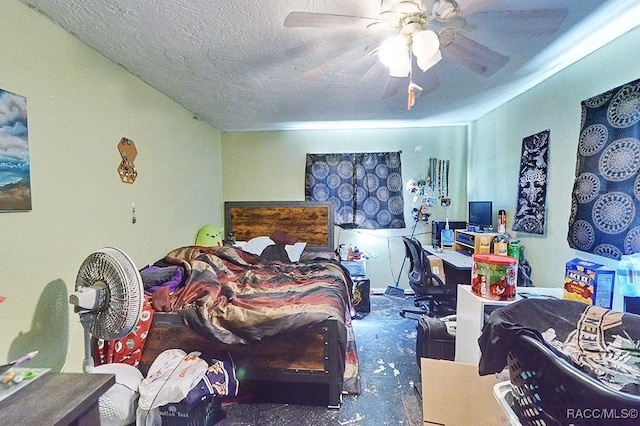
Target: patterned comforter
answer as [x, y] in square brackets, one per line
[232, 296]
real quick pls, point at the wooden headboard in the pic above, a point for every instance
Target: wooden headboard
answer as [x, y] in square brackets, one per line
[308, 221]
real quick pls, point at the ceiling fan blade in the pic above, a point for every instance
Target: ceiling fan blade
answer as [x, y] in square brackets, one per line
[374, 72]
[474, 56]
[301, 51]
[428, 81]
[325, 20]
[525, 22]
[468, 6]
[318, 47]
[393, 86]
[352, 57]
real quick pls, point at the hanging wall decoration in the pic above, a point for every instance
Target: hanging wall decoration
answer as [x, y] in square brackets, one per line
[128, 152]
[15, 169]
[532, 186]
[606, 192]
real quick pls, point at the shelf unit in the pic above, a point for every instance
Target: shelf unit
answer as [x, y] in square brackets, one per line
[482, 241]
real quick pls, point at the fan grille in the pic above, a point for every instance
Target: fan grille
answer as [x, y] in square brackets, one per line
[120, 310]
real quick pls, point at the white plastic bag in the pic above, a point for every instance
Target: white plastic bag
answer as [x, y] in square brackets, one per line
[171, 376]
[148, 418]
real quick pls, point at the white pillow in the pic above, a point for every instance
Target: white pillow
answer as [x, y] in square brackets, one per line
[257, 245]
[295, 251]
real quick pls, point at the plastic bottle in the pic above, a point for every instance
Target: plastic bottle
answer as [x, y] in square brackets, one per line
[628, 273]
[502, 221]
[343, 252]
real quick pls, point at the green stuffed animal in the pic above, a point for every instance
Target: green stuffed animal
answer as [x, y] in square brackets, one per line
[210, 236]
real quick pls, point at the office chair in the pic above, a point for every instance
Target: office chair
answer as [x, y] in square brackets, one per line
[432, 296]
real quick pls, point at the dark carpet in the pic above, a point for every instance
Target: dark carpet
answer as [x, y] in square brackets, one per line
[389, 375]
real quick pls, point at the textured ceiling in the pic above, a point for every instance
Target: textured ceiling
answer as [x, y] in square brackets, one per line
[236, 66]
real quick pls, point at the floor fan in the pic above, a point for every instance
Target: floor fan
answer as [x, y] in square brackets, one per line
[108, 297]
[395, 290]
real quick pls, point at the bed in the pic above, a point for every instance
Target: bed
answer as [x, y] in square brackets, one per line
[284, 323]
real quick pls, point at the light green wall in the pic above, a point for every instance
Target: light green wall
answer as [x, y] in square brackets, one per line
[270, 166]
[79, 106]
[495, 144]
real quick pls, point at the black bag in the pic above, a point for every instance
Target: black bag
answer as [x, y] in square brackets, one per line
[434, 340]
[524, 271]
[361, 296]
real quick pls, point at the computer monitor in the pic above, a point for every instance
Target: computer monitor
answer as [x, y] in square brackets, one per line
[481, 214]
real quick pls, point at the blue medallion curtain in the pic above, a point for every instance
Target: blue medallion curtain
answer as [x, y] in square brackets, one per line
[606, 192]
[365, 188]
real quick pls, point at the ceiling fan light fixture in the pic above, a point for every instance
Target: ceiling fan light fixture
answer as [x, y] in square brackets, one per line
[410, 28]
[401, 69]
[425, 43]
[424, 63]
[426, 48]
[394, 51]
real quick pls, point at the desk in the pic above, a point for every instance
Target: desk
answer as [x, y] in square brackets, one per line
[457, 266]
[470, 316]
[57, 399]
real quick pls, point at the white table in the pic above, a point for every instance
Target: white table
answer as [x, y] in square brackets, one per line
[470, 315]
[452, 257]
[457, 266]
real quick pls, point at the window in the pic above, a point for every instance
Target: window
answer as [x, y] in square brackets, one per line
[365, 188]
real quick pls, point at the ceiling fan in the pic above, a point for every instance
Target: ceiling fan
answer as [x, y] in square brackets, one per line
[427, 30]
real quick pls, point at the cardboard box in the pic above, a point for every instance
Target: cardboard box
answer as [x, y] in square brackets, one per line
[483, 245]
[500, 248]
[589, 282]
[455, 394]
[437, 266]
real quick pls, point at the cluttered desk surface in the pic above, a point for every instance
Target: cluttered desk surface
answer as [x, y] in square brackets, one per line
[452, 257]
[54, 398]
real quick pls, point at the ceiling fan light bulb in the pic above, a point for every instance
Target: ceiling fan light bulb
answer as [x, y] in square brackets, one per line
[424, 63]
[393, 51]
[425, 44]
[401, 69]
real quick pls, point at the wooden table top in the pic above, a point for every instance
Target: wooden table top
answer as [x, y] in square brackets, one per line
[54, 399]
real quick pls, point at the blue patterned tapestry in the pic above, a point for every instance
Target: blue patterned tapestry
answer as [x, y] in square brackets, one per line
[532, 186]
[366, 189]
[606, 192]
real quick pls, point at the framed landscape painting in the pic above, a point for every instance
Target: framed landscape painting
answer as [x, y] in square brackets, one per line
[15, 174]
